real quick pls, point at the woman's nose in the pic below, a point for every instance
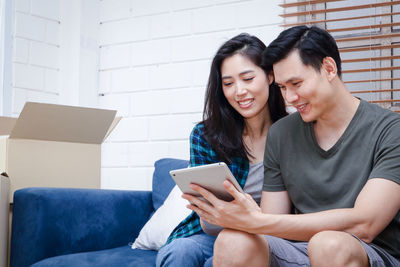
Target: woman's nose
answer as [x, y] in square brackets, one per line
[240, 89]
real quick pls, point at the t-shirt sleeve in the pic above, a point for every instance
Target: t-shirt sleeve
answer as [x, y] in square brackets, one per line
[387, 155]
[272, 173]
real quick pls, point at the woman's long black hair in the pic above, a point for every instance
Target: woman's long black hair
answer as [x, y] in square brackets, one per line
[223, 125]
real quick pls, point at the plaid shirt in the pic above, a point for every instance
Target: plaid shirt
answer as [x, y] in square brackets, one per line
[201, 153]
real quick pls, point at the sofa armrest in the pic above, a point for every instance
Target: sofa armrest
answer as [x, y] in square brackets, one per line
[48, 222]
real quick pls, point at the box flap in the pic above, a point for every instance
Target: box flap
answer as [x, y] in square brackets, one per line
[6, 125]
[113, 124]
[63, 123]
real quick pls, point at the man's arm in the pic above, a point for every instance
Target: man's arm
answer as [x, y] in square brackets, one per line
[271, 202]
[375, 207]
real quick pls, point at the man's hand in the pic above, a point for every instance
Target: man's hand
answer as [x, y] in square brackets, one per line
[236, 214]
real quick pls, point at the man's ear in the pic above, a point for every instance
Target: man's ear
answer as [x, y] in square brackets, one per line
[330, 68]
[270, 77]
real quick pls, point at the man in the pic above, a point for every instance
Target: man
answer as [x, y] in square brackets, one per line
[335, 162]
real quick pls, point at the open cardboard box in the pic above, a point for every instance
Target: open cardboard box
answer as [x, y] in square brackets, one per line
[54, 146]
[4, 223]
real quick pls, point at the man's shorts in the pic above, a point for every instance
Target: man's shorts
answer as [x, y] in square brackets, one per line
[284, 253]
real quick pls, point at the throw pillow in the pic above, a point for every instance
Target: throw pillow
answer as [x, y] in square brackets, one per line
[156, 231]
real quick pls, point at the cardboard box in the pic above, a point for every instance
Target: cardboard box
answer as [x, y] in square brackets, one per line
[4, 210]
[55, 146]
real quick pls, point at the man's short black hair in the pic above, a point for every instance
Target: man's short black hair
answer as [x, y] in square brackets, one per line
[312, 43]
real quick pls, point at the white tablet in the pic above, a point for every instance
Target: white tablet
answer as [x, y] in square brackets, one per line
[210, 176]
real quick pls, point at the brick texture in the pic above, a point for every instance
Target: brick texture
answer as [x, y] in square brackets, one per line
[36, 58]
[154, 60]
[159, 53]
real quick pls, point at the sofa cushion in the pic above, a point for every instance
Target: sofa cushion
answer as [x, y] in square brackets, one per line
[120, 256]
[162, 181]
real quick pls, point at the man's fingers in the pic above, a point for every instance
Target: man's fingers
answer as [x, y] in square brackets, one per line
[199, 203]
[230, 188]
[205, 193]
[202, 214]
[248, 196]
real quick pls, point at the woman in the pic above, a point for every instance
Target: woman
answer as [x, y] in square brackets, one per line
[241, 103]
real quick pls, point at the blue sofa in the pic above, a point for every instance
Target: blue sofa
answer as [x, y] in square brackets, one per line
[86, 227]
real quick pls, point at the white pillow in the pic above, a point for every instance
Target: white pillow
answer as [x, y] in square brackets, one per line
[156, 231]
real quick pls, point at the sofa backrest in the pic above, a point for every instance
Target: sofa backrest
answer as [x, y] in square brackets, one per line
[162, 181]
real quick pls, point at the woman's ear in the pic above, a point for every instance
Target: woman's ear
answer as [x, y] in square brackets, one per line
[270, 77]
[330, 68]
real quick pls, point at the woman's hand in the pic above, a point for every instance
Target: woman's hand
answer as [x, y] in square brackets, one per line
[238, 214]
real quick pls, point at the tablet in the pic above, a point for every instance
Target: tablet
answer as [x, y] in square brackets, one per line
[210, 176]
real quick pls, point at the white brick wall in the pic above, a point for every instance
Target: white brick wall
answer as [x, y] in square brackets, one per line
[154, 63]
[36, 52]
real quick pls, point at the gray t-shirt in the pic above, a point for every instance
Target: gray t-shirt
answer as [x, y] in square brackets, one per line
[254, 181]
[318, 180]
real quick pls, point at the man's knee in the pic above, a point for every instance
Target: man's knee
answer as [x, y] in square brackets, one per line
[179, 251]
[336, 248]
[235, 248]
[327, 242]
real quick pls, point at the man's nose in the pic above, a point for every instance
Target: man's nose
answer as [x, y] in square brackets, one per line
[291, 95]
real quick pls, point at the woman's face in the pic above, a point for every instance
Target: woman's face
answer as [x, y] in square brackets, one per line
[245, 86]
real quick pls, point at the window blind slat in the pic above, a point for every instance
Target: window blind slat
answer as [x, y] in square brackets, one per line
[304, 3]
[369, 59]
[368, 37]
[372, 80]
[347, 8]
[371, 69]
[380, 47]
[375, 91]
[373, 26]
[339, 19]
[385, 101]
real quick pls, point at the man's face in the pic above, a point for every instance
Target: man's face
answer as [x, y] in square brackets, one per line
[304, 88]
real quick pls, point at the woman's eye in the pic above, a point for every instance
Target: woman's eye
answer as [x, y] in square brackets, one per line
[249, 79]
[227, 83]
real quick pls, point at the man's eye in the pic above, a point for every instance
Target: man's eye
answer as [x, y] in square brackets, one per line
[297, 84]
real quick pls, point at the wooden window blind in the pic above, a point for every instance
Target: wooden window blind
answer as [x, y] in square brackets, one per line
[368, 36]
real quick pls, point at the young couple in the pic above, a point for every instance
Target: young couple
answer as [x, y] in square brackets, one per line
[326, 190]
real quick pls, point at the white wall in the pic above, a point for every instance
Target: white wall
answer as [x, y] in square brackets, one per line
[6, 18]
[154, 63]
[147, 59]
[55, 52]
[2, 22]
[36, 55]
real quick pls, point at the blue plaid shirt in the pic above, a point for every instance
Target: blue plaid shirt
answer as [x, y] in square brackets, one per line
[201, 153]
